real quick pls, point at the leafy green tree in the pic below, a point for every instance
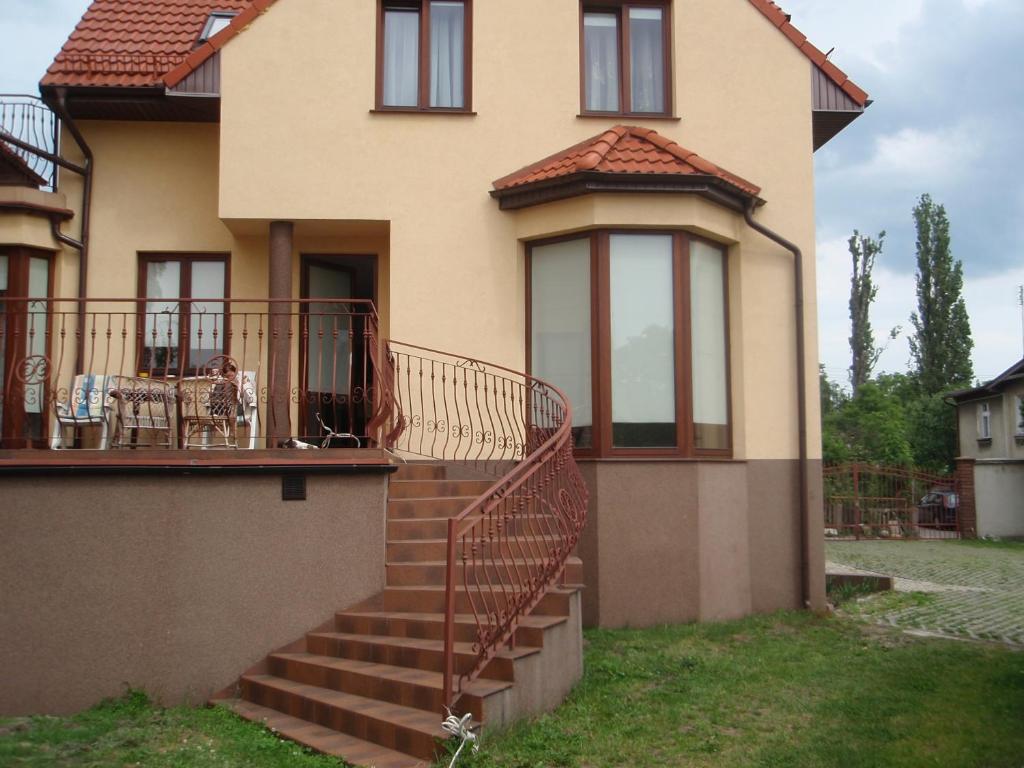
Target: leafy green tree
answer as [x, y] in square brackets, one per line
[940, 347]
[863, 251]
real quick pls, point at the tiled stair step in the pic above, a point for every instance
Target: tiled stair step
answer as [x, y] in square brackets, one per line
[430, 599]
[420, 550]
[419, 471]
[322, 739]
[404, 729]
[501, 571]
[441, 506]
[431, 489]
[436, 528]
[430, 626]
[416, 688]
[416, 653]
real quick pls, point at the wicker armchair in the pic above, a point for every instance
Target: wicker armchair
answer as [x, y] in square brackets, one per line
[144, 410]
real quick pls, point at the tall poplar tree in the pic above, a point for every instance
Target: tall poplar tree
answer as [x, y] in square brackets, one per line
[864, 354]
[941, 344]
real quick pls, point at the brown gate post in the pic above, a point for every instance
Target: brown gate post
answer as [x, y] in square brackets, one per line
[966, 513]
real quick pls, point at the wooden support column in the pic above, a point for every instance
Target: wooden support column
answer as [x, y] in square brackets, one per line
[282, 236]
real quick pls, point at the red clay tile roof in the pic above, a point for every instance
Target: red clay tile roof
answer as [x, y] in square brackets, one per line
[624, 150]
[135, 43]
[780, 19]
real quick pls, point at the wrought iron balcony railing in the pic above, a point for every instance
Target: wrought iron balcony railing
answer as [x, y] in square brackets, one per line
[190, 373]
[29, 136]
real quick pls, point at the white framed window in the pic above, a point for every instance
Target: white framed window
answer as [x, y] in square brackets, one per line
[216, 22]
[984, 421]
[1018, 412]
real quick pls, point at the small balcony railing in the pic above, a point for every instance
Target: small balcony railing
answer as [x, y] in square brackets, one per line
[171, 374]
[29, 132]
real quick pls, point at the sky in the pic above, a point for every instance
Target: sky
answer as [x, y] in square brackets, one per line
[946, 120]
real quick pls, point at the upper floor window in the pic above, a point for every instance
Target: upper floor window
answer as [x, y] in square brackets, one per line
[625, 49]
[984, 421]
[424, 56]
[1018, 410]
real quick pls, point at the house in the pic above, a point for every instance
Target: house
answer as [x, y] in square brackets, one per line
[602, 209]
[990, 455]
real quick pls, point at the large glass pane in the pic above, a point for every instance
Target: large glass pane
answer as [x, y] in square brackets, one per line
[327, 347]
[601, 61]
[643, 342]
[35, 343]
[708, 334]
[206, 322]
[646, 60]
[401, 57]
[160, 344]
[447, 33]
[560, 322]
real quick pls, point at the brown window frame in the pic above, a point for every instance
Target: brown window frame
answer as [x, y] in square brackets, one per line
[621, 9]
[186, 259]
[600, 341]
[422, 7]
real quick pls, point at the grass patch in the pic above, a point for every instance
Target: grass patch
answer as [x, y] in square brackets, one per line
[130, 731]
[783, 691]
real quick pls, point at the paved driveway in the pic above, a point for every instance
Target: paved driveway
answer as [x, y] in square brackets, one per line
[962, 589]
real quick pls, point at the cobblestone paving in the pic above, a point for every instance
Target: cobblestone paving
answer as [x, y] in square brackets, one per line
[975, 590]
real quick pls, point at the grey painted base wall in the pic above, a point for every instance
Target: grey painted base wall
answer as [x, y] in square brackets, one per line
[671, 541]
[171, 584]
[999, 497]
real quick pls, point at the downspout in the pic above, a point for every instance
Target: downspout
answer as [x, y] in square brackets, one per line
[82, 246]
[801, 396]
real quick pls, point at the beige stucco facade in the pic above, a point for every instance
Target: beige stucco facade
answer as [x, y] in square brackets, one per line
[299, 141]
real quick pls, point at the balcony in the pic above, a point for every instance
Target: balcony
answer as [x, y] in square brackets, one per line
[105, 380]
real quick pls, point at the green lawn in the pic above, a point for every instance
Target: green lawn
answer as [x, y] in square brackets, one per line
[779, 691]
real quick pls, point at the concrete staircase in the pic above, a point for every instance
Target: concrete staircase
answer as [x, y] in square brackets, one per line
[368, 686]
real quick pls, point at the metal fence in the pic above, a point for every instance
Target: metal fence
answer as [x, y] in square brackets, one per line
[26, 123]
[864, 501]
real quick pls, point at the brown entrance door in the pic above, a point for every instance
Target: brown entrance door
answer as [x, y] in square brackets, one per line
[25, 280]
[334, 371]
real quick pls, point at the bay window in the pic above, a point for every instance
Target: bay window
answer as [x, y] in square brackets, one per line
[626, 62]
[632, 326]
[423, 60]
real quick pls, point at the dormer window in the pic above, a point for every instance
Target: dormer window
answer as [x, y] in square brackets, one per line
[216, 22]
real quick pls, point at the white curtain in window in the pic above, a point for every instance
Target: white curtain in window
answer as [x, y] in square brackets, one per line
[401, 57]
[707, 317]
[601, 61]
[206, 327]
[646, 60]
[447, 51]
[560, 343]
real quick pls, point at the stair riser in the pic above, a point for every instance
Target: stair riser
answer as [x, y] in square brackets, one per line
[425, 630]
[415, 658]
[404, 530]
[422, 574]
[414, 471]
[432, 601]
[411, 509]
[428, 489]
[437, 550]
[408, 694]
[361, 725]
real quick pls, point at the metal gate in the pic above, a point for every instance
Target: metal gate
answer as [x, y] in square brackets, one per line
[863, 501]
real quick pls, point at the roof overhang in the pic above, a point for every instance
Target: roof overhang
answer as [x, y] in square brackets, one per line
[589, 182]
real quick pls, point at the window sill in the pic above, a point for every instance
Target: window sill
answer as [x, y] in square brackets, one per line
[418, 111]
[984, 441]
[630, 115]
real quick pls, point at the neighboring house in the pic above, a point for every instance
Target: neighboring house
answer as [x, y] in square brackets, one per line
[259, 197]
[990, 428]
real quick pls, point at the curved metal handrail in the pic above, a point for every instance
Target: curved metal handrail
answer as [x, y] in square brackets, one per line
[508, 547]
